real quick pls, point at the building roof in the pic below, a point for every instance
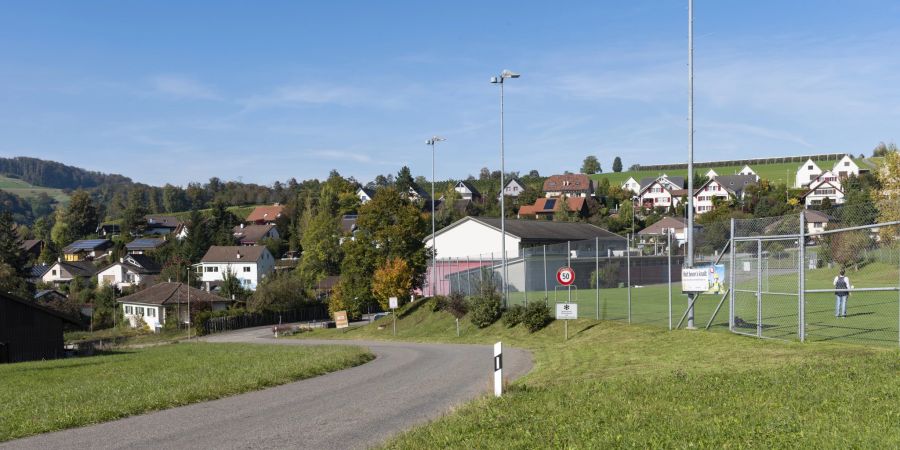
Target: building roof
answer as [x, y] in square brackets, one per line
[78, 268]
[85, 245]
[38, 270]
[422, 193]
[734, 184]
[647, 181]
[109, 228]
[29, 244]
[251, 234]
[814, 216]
[572, 182]
[470, 187]
[817, 184]
[141, 264]
[551, 205]
[233, 254]
[369, 192]
[145, 244]
[48, 294]
[676, 223]
[171, 293]
[513, 180]
[162, 221]
[268, 213]
[34, 305]
[541, 231]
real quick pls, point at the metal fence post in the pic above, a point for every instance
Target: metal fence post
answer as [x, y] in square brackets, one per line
[468, 277]
[597, 274]
[546, 293]
[732, 279]
[480, 273]
[525, 275]
[801, 302]
[569, 265]
[628, 274]
[669, 251]
[759, 287]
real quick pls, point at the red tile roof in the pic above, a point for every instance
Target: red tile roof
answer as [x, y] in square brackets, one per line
[574, 182]
[265, 213]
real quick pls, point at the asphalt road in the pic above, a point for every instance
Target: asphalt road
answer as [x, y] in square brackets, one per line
[407, 384]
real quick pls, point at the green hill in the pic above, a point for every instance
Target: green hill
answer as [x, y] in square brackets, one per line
[26, 190]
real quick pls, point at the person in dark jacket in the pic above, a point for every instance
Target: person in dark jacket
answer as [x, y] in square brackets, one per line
[841, 292]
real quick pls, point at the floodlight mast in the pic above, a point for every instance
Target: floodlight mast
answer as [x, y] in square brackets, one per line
[689, 257]
[499, 80]
[431, 142]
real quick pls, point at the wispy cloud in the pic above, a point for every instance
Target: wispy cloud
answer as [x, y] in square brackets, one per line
[182, 87]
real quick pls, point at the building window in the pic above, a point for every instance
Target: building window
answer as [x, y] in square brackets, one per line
[151, 312]
[847, 163]
[809, 167]
[246, 268]
[128, 309]
[139, 310]
[53, 272]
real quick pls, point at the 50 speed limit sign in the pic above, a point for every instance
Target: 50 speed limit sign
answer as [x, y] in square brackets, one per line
[565, 276]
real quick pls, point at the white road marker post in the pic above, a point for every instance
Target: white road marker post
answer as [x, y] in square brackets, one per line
[498, 369]
[392, 302]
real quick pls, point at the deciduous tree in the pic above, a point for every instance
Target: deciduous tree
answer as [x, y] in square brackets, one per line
[393, 278]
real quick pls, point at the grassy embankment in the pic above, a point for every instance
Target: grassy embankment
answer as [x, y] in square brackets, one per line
[126, 336]
[615, 385]
[25, 190]
[44, 396]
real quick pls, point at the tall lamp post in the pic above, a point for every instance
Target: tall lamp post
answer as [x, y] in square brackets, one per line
[499, 80]
[689, 256]
[431, 142]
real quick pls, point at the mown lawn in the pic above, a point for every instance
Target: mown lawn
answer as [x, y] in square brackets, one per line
[38, 397]
[127, 336]
[619, 385]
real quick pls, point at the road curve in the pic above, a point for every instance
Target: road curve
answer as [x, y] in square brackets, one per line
[407, 384]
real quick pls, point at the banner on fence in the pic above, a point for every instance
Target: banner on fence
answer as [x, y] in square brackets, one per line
[694, 280]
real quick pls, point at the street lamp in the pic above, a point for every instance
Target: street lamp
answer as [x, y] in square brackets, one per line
[499, 80]
[431, 142]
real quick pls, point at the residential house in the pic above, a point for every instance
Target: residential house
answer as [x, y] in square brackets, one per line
[249, 264]
[263, 215]
[415, 193]
[807, 173]
[721, 188]
[546, 208]
[87, 249]
[822, 189]
[65, 271]
[50, 295]
[655, 233]
[816, 221]
[467, 191]
[36, 272]
[30, 331]
[846, 167]
[671, 183]
[631, 185]
[108, 230]
[161, 225]
[661, 193]
[348, 224]
[32, 248]
[365, 195]
[144, 245]
[131, 270]
[711, 173]
[749, 172]
[168, 301]
[513, 188]
[254, 234]
[571, 185]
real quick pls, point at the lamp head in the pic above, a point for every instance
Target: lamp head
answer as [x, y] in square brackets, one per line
[495, 80]
[509, 74]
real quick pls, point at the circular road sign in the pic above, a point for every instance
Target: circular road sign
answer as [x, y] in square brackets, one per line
[565, 276]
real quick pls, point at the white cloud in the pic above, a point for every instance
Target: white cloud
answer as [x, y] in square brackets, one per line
[182, 87]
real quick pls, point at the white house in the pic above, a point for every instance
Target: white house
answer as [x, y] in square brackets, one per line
[466, 190]
[416, 193]
[513, 188]
[749, 172]
[365, 195]
[66, 271]
[820, 190]
[254, 234]
[660, 194]
[631, 185]
[722, 188]
[168, 301]
[845, 167]
[808, 172]
[816, 221]
[249, 264]
[130, 270]
[569, 184]
[711, 173]
[655, 234]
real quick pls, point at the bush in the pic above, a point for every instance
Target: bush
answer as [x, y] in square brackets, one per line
[486, 309]
[514, 315]
[440, 302]
[609, 276]
[536, 316]
[456, 305]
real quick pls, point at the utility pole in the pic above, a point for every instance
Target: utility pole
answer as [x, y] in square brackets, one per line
[689, 257]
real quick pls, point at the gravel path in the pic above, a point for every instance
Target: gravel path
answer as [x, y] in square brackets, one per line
[407, 384]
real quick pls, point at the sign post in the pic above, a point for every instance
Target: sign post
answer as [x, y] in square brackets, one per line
[498, 369]
[392, 303]
[340, 319]
[566, 312]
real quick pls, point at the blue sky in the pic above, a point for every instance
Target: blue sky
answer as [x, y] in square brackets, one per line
[262, 91]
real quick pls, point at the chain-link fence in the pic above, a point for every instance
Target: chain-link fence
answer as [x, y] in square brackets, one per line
[775, 277]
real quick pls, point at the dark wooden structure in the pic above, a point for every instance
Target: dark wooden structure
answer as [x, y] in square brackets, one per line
[29, 331]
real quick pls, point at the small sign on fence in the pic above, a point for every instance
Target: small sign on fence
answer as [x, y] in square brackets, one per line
[566, 311]
[340, 319]
[694, 280]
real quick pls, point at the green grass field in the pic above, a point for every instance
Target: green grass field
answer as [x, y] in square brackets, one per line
[613, 385]
[25, 190]
[44, 396]
[775, 172]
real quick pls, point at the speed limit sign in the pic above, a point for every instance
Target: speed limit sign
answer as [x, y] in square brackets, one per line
[565, 276]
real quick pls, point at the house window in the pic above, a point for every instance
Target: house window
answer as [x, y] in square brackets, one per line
[245, 282]
[128, 309]
[809, 167]
[53, 272]
[151, 312]
[246, 268]
[139, 310]
[847, 163]
[212, 269]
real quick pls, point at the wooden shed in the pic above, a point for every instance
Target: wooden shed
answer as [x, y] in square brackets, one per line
[29, 331]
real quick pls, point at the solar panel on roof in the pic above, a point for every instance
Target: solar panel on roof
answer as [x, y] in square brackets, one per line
[550, 203]
[87, 243]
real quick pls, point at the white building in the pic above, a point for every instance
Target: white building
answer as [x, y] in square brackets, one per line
[631, 185]
[466, 190]
[129, 271]
[749, 172]
[660, 194]
[513, 188]
[168, 301]
[66, 271]
[820, 190]
[807, 173]
[249, 264]
[721, 188]
[816, 221]
[656, 234]
[845, 167]
[711, 173]
[365, 195]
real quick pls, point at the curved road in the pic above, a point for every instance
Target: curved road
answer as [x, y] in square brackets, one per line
[407, 384]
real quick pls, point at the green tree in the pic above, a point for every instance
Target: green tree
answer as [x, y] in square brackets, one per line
[404, 180]
[82, 216]
[591, 165]
[12, 256]
[133, 221]
[173, 198]
[62, 233]
[279, 292]
[392, 279]
[321, 248]
[887, 199]
[617, 165]
[221, 224]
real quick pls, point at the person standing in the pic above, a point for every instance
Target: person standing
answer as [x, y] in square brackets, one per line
[841, 292]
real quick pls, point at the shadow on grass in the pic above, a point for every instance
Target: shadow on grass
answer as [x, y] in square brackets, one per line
[68, 363]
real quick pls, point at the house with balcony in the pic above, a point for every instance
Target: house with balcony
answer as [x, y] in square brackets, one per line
[130, 270]
[822, 189]
[721, 188]
[661, 193]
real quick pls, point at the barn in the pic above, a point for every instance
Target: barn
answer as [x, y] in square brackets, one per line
[29, 331]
